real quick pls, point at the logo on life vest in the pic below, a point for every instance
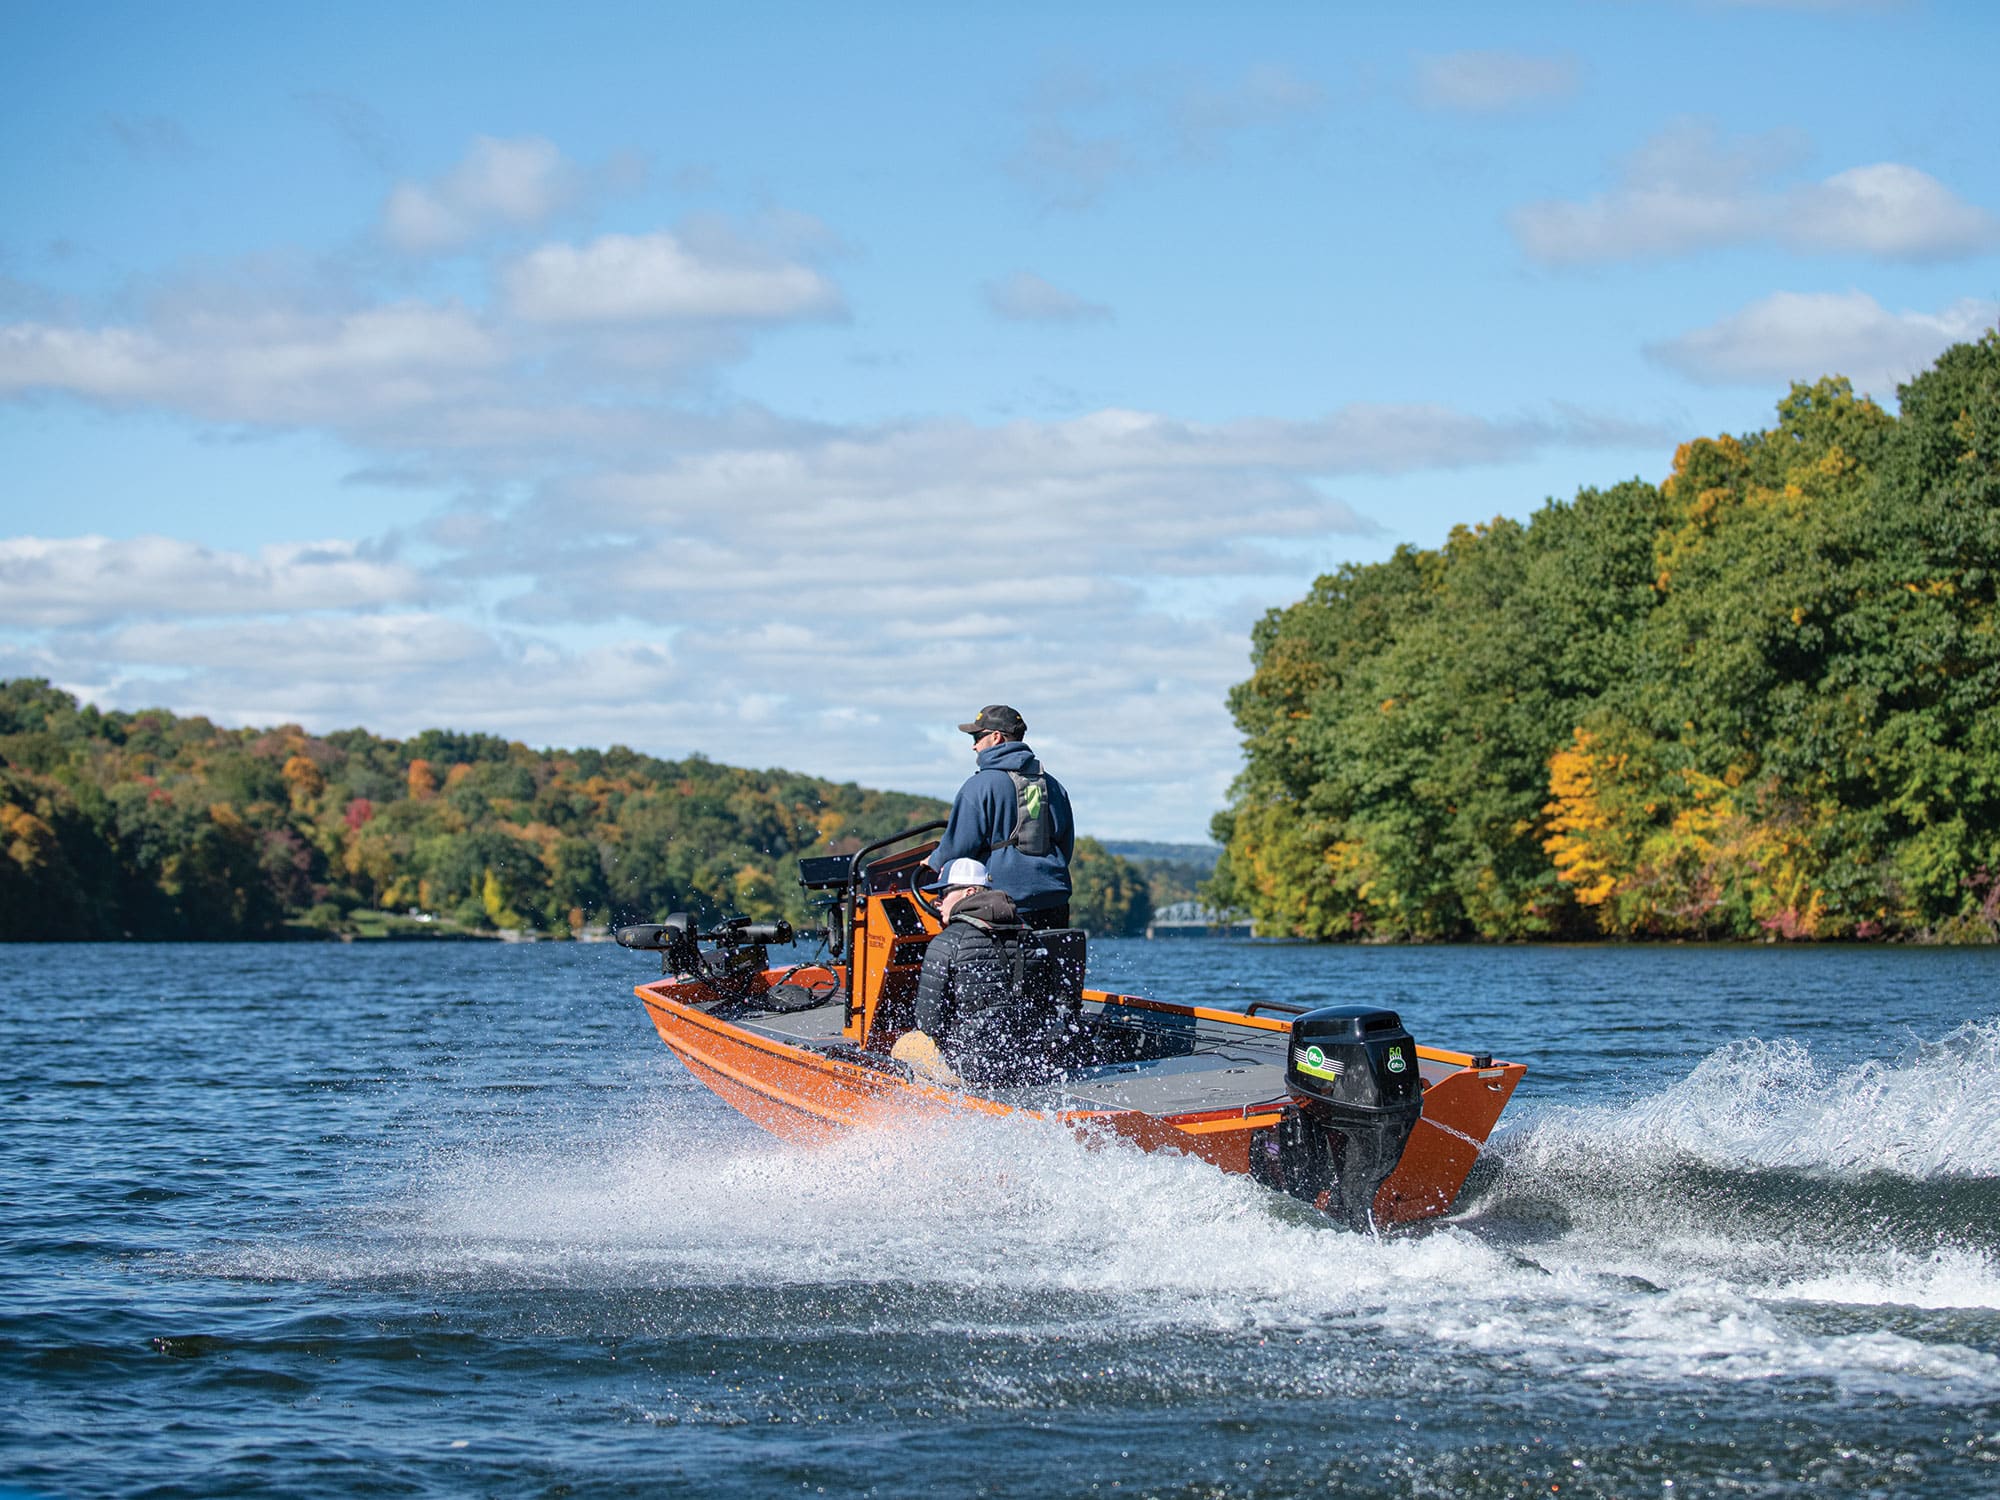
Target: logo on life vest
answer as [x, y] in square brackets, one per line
[1395, 1061]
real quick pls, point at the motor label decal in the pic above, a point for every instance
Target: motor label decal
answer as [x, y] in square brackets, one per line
[1312, 1060]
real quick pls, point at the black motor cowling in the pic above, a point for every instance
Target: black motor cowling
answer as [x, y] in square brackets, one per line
[1354, 1060]
[1354, 1070]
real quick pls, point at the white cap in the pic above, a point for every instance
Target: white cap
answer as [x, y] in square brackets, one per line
[960, 872]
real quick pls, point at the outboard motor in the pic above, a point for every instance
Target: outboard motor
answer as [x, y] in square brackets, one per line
[1356, 1070]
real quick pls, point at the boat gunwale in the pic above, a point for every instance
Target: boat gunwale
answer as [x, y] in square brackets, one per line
[650, 991]
[886, 1078]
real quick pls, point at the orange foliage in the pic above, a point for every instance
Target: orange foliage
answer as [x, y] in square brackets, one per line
[423, 784]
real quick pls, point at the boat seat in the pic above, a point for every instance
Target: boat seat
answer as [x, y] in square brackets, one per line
[1068, 948]
[1030, 1040]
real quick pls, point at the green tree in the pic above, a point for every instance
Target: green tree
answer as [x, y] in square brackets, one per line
[1754, 699]
[1108, 894]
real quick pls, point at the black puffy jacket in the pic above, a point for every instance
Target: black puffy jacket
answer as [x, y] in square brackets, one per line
[988, 997]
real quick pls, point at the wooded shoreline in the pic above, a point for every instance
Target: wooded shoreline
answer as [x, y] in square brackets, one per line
[1758, 700]
[149, 825]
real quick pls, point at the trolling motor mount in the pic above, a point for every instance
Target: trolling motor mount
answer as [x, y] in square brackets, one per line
[737, 953]
[1353, 1070]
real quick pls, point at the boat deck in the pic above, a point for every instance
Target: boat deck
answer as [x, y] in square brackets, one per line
[1193, 1064]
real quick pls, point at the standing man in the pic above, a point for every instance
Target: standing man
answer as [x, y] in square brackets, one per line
[1014, 818]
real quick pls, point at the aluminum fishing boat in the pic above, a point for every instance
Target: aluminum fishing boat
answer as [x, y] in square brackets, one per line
[1336, 1105]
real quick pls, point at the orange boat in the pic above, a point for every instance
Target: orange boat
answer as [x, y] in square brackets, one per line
[1336, 1105]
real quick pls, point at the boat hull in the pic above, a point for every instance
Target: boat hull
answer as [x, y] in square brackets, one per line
[815, 1094]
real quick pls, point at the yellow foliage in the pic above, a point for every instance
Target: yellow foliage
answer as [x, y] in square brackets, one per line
[30, 841]
[1354, 867]
[1579, 842]
[303, 780]
[1679, 862]
[493, 896]
[1709, 474]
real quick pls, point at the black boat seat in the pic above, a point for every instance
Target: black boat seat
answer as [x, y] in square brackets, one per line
[1031, 1039]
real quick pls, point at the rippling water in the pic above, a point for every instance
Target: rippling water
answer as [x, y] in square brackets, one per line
[449, 1220]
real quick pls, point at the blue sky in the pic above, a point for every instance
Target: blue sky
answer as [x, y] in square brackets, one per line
[783, 384]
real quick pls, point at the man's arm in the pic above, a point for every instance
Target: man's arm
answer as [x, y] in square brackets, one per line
[934, 983]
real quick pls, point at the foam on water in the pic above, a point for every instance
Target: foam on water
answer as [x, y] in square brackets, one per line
[1933, 1112]
[1945, 1278]
[998, 1225]
[973, 1204]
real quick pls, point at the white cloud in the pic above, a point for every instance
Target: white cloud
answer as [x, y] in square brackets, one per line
[1802, 336]
[1024, 297]
[94, 579]
[499, 185]
[638, 278]
[619, 312]
[394, 672]
[1493, 82]
[346, 650]
[1686, 190]
[1889, 211]
[952, 548]
[259, 366]
[1102, 454]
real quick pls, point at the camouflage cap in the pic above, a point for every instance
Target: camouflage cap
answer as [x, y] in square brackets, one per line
[997, 718]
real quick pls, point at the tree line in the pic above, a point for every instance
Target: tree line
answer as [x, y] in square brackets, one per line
[1758, 699]
[149, 826]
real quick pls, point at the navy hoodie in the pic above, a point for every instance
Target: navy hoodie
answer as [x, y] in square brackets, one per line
[982, 818]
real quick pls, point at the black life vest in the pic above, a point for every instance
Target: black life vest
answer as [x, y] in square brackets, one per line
[1034, 828]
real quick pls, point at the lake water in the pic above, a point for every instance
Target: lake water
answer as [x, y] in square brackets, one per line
[449, 1220]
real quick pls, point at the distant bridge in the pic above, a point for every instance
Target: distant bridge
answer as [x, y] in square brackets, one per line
[1193, 919]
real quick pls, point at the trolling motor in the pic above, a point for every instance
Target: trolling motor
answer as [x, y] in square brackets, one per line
[737, 956]
[1354, 1070]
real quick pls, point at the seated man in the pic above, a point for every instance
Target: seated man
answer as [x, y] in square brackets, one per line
[989, 999]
